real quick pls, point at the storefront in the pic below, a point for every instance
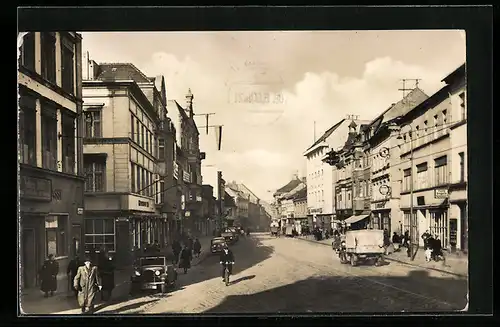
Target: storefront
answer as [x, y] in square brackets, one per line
[51, 216]
[381, 217]
[121, 223]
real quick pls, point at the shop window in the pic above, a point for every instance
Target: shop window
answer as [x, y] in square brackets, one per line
[27, 130]
[49, 136]
[132, 127]
[462, 166]
[94, 167]
[439, 226]
[100, 233]
[55, 235]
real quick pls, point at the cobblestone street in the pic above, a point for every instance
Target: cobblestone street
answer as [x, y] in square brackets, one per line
[290, 275]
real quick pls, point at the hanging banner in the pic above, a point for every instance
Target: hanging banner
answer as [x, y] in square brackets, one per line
[218, 136]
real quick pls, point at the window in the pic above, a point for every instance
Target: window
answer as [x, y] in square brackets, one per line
[93, 126]
[161, 149]
[441, 171]
[463, 112]
[68, 143]
[49, 137]
[147, 190]
[422, 176]
[48, 56]
[462, 166]
[162, 190]
[28, 52]
[150, 143]
[99, 234]
[445, 112]
[376, 222]
[142, 136]
[132, 127]
[137, 137]
[133, 185]
[146, 147]
[68, 65]
[27, 130]
[439, 226]
[138, 179]
[406, 179]
[143, 180]
[55, 235]
[94, 167]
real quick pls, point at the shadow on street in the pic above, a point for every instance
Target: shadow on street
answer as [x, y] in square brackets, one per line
[248, 252]
[129, 307]
[353, 294]
[236, 281]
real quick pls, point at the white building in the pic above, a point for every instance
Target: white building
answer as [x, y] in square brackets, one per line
[320, 181]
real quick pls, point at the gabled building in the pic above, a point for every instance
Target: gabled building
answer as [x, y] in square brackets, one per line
[278, 209]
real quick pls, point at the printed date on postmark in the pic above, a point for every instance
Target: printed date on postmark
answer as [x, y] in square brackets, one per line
[258, 97]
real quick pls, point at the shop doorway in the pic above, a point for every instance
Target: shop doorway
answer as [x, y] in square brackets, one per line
[29, 262]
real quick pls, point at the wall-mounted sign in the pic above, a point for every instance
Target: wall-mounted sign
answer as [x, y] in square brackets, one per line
[79, 211]
[441, 193]
[35, 188]
[143, 203]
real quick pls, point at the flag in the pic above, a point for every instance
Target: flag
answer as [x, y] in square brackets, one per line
[206, 129]
[218, 136]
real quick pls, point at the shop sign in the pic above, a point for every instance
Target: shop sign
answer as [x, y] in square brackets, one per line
[35, 188]
[441, 193]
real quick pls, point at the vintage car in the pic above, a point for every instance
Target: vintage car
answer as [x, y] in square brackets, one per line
[152, 273]
[217, 244]
[362, 245]
[229, 236]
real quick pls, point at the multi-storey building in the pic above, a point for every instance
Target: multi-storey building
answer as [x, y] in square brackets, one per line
[278, 208]
[207, 225]
[50, 150]
[253, 205]
[187, 165]
[300, 208]
[213, 176]
[231, 209]
[320, 178]
[124, 175]
[427, 158]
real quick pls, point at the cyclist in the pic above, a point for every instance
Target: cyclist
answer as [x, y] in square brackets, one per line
[226, 256]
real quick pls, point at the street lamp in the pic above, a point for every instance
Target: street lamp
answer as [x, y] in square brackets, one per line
[413, 221]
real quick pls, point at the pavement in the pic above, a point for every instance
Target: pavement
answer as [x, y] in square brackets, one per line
[33, 302]
[455, 264]
[286, 275]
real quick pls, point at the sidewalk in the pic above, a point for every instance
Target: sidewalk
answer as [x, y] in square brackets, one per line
[456, 264]
[33, 302]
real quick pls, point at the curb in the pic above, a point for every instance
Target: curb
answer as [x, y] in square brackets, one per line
[399, 261]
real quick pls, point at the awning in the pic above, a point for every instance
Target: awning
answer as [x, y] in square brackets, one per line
[355, 219]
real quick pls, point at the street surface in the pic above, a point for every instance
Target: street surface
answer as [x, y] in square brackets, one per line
[274, 275]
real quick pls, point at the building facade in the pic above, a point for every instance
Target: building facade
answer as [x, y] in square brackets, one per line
[300, 208]
[123, 176]
[50, 151]
[207, 225]
[278, 206]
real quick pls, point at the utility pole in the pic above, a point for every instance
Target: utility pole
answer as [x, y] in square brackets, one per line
[208, 114]
[413, 220]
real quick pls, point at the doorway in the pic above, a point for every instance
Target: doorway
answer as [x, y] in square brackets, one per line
[76, 243]
[29, 262]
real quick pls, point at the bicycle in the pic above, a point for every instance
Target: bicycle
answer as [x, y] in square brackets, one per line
[226, 272]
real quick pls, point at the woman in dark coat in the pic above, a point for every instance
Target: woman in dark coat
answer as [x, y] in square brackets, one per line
[48, 275]
[185, 259]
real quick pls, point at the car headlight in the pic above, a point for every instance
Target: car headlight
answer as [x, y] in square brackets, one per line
[157, 273]
[137, 273]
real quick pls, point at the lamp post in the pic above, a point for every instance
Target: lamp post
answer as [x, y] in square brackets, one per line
[413, 221]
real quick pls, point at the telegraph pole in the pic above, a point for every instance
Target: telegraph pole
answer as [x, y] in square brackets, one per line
[208, 114]
[413, 220]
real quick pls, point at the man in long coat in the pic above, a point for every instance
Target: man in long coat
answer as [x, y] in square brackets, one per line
[88, 282]
[48, 275]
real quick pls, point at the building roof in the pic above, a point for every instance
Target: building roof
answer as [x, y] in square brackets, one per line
[289, 186]
[301, 194]
[456, 74]
[228, 200]
[121, 71]
[325, 135]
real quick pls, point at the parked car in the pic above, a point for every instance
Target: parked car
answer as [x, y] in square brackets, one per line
[153, 273]
[217, 244]
[229, 236]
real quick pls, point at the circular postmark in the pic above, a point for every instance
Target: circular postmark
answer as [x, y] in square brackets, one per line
[255, 90]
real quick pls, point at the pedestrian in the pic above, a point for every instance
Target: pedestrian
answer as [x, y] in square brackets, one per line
[107, 272]
[425, 236]
[185, 258]
[396, 241]
[197, 248]
[48, 276]
[156, 246]
[176, 249]
[71, 272]
[406, 239]
[88, 282]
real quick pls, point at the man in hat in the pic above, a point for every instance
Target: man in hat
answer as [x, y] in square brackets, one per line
[87, 282]
[48, 275]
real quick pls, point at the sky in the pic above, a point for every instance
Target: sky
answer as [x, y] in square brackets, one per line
[274, 92]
